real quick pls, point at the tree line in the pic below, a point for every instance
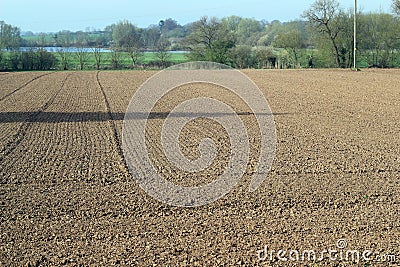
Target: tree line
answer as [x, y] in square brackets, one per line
[323, 37]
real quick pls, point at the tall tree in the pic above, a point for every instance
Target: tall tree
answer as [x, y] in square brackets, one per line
[170, 25]
[292, 39]
[65, 38]
[115, 58]
[232, 23]
[135, 55]
[125, 34]
[10, 36]
[82, 38]
[379, 38]
[151, 36]
[133, 45]
[269, 33]
[108, 32]
[82, 55]
[323, 16]
[162, 53]
[98, 56]
[242, 56]
[247, 31]
[64, 54]
[210, 40]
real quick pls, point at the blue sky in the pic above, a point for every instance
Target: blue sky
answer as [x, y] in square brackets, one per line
[53, 15]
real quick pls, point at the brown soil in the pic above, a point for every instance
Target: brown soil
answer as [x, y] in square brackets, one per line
[67, 197]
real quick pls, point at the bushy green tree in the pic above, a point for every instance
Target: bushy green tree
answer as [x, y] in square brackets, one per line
[10, 36]
[210, 40]
[125, 34]
[291, 38]
[32, 59]
[245, 30]
[81, 38]
[248, 31]
[264, 57]
[170, 25]
[65, 39]
[379, 38]
[151, 36]
[242, 56]
[270, 31]
[231, 23]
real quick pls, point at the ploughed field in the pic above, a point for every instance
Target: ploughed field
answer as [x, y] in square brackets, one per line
[67, 197]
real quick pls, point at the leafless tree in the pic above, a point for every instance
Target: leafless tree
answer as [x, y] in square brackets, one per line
[116, 58]
[135, 54]
[82, 56]
[205, 32]
[97, 56]
[162, 53]
[64, 55]
[64, 52]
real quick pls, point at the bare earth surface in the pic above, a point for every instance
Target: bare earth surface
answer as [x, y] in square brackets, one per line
[67, 197]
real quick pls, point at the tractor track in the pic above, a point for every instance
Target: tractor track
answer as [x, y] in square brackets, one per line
[111, 120]
[21, 133]
[24, 85]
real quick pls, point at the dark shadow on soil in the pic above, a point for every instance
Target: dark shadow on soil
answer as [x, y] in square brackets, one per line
[56, 117]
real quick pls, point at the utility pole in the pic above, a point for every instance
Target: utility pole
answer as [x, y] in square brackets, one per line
[355, 35]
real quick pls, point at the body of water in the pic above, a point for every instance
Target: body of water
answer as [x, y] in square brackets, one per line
[67, 49]
[76, 49]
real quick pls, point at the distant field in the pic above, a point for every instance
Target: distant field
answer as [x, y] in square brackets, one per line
[38, 38]
[125, 60]
[67, 197]
[48, 38]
